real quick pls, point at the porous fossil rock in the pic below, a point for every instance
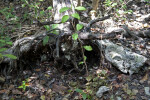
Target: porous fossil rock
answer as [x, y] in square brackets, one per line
[123, 58]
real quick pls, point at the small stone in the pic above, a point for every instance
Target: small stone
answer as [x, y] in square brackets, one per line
[102, 90]
[134, 91]
[141, 81]
[49, 91]
[66, 97]
[144, 98]
[147, 91]
[73, 84]
[149, 82]
[2, 79]
[80, 78]
[119, 98]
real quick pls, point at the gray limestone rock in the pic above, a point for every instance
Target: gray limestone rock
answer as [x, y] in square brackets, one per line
[123, 58]
[102, 90]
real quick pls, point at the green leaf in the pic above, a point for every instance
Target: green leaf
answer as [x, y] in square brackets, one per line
[88, 48]
[42, 97]
[118, 14]
[45, 40]
[20, 86]
[121, 1]
[80, 8]
[85, 58]
[23, 5]
[75, 36]
[79, 27]
[64, 18]
[23, 83]
[76, 15]
[80, 63]
[9, 43]
[130, 11]
[3, 41]
[49, 8]
[114, 4]
[42, 13]
[10, 56]
[47, 27]
[84, 96]
[124, 7]
[3, 49]
[55, 32]
[78, 90]
[63, 9]
[1, 56]
[55, 26]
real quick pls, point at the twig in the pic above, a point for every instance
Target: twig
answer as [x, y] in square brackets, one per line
[94, 21]
[83, 57]
[48, 23]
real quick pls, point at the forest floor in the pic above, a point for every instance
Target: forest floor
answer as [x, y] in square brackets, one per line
[46, 82]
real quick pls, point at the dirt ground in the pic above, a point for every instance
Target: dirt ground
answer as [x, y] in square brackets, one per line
[45, 81]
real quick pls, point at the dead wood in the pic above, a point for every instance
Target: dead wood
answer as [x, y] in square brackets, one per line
[62, 49]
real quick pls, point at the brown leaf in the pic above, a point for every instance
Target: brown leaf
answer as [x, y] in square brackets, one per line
[4, 91]
[120, 77]
[11, 87]
[29, 95]
[116, 86]
[144, 78]
[134, 91]
[2, 79]
[16, 91]
[37, 70]
[58, 88]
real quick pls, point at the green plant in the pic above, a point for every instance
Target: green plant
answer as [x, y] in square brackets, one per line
[82, 62]
[77, 28]
[4, 43]
[117, 5]
[94, 81]
[45, 40]
[84, 95]
[24, 84]
[75, 15]
[7, 14]
[36, 6]
[39, 14]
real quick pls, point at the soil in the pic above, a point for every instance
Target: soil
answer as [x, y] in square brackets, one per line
[43, 80]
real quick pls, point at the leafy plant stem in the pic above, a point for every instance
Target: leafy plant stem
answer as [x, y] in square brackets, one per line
[83, 57]
[1, 59]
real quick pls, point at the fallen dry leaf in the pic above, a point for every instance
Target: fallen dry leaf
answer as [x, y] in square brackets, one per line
[144, 78]
[60, 89]
[16, 91]
[116, 86]
[2, 79]
[11, 87]
[4, 91]
[134, 91]
[37, 70]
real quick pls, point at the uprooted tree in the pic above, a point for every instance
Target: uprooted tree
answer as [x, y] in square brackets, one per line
[67, 52]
